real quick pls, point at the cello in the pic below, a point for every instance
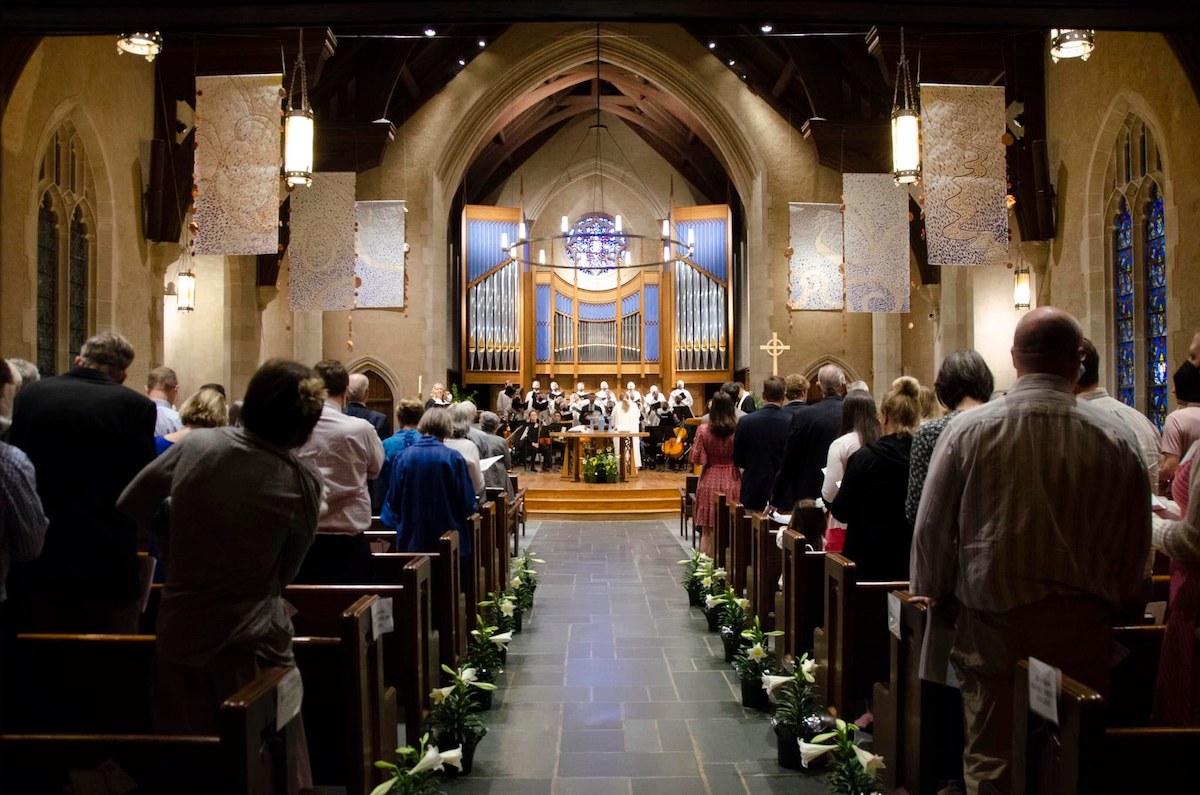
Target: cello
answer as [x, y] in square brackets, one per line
[673, 448]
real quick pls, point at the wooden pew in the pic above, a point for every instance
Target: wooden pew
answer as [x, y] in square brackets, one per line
[249, 756]
[768, 566]
[1085, 755]
[851, 647]
[720, 530]
[518, 501]
[450, 624]
[740, 557]
[508, 517]
[473, 583]
[802, 605]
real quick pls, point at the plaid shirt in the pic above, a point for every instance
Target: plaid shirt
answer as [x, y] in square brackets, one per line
[22, 520]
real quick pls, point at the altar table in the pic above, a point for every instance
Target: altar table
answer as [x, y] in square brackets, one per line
[573, 451]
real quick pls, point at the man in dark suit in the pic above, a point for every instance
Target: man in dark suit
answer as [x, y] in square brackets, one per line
[87, 437]
[356, 395]
[795, 391]
[758, 445]
[814, 427]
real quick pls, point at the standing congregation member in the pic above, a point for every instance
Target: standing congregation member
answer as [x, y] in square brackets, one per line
[860, 426]
[27, 372]
[462, 414]
[431, 491]
[22, 521]
[1183, 424]
[356, 406]
[759, 444]
[162, 386]
[814, 428]
[1036, 517]
[348, 453]
[243, 514]
[87, 436]
[870, 500]
[1088, 388]
[795, 390]
[205, 409]
[408, 414]
[495, 476]
[713, 449]
[963, 382]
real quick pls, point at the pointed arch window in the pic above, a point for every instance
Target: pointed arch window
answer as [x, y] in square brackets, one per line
[1123, 305]
[47, 287]
[1156, 309]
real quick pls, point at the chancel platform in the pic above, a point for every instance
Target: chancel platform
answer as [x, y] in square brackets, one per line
[652, 493]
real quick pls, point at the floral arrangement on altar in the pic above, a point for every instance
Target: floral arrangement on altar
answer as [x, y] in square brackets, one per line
[600, 467]
[413, 775]
[853, 769]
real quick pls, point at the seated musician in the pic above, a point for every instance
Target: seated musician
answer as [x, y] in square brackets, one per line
[529, 441]
[659, 420]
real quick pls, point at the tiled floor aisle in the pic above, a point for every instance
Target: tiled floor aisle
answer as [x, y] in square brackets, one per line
[616, 687]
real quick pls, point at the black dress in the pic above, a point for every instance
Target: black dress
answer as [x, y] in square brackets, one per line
[871, 503]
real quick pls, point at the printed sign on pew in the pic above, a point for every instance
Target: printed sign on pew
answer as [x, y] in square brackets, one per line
[1045, 685]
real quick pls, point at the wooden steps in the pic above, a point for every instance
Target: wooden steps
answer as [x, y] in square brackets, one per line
[601, 499]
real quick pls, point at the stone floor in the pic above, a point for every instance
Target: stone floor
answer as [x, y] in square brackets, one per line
[615, 686]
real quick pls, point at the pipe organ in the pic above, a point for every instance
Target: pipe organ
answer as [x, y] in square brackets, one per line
[523, 321]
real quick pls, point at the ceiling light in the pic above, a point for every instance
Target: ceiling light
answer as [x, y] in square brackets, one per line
[906, 125]
[712, 45]
[482, 43]
[732, 62]
[462, 62]
[1071, 43]
[298, 132]
[430, 32]
[766, 27]
[146, 45]
[1021, 290]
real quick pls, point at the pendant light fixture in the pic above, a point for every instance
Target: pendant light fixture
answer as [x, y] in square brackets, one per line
[1021, 287]
[1071, 43]
[298, 128]
[906, 124]
[185, 279]
[147, 45]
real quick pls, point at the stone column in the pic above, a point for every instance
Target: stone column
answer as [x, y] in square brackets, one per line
[886, 351]
[956, 314]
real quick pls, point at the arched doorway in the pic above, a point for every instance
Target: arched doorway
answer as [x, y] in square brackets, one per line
[379, 395]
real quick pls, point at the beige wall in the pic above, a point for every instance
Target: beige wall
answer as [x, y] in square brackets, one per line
[109, 100]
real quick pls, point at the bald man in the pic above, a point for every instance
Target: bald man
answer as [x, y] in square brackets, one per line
[356, 406]
[1036, 518]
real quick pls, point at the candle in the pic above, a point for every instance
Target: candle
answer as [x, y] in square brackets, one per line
[418, 385]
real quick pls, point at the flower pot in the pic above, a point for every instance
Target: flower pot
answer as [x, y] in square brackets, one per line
[732, 642]
[518, 618]
[446, 742]
[611, 477]
[753, 695]
[714, 619]
[482, 699]
[693, 592]
[504, 655]
[589, 477]
[788, 750]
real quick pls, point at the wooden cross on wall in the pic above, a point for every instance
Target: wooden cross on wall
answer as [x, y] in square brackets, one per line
[773, 348]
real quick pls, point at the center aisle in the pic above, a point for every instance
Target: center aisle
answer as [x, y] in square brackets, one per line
[615, 686]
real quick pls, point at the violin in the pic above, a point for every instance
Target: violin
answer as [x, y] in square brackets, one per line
[673, 448]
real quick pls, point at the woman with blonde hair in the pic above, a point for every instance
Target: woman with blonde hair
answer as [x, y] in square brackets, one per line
[871, 499]
[206, 408]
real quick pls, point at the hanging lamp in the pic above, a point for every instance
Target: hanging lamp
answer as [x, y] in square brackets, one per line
[185, 279]
[298, 128]
[1071, 43]
[1021, 288]
[147, 45]
[906, 125]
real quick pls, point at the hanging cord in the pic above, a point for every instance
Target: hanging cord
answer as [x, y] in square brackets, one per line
[299, 67]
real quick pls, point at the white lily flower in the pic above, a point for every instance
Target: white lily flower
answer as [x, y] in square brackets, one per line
[719, 574]
[771, 683]
[537, 560]
[711, 601]
[757, 653]
[468, 675]
[840, 724]
[507, 607]
[516, 582]
[431, 761]
[501, 640]
[870, 762]
[808, 668]
[743, 603]
[453, 757]
[811, 751]
[439, 694]
[704, 556]
[706, 582]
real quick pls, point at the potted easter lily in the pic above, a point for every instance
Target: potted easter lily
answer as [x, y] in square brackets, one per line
[454, 719]
[733, 622]
[486, 652]
[689, 581]
[412, 776]
[524, 584]
[797, 714]
[751, 663]
[852, 769]
[712, 590]
[500, 609]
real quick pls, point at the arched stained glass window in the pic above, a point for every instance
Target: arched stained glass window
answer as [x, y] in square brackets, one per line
[1123, 305]
[594, 245]
[77, 282]
[47, 287]
[1156, 309]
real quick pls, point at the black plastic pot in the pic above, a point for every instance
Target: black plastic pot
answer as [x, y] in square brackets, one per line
[518, 617]
[788, 750]
[754, 697]
[445, 743]
[693, 592]
[732, 641]
[714, 619]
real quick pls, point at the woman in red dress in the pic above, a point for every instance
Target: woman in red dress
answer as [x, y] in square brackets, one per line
[714, 450]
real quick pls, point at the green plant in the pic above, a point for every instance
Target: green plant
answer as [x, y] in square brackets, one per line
[499, 608]
[795, 694]
[733, 611]
[412, 775]
[524, 580]
[691, 566]
[852, 770]
[485, 645]
[454, 714]
[755, 660]
[459, 396]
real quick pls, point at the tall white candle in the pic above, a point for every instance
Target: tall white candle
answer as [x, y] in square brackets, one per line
[418, 385]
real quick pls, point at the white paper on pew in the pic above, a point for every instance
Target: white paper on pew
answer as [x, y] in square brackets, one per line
[1045, 683]
[784, 519]
[487, 462]
[893, 603]
[935, 645]
[381, 617]
[289, 694]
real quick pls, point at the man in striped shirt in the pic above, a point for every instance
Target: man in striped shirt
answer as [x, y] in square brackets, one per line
[1036, 518]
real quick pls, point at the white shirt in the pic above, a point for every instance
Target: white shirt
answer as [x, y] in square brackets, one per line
[168, 419]
[1143, 429]
[469, 451]
[840, 450]
[687, 398]
[348, 452]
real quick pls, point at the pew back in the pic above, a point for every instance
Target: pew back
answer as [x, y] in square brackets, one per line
[740, 558]
[720, 530]
[768, 567]
[803, 602]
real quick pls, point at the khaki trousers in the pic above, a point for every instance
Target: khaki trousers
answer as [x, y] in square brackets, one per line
[1068, 632]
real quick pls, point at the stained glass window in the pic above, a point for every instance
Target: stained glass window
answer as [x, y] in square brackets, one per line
[1156, 309]
[1123, 310]
[77, 282]
[594, 245]
[47, 288]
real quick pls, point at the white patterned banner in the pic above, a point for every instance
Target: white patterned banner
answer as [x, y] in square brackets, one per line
[379, 254]
[321, 250]
[237, 164]
[815, 267]
[876, 245]
[965, 174]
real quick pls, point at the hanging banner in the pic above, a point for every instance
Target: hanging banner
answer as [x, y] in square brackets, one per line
[965, 174]
[237, 164]
[379, 254]
[876, 243]
[815, 267]
[321, 251]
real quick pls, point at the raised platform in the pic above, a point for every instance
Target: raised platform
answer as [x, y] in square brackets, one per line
[650, 494]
